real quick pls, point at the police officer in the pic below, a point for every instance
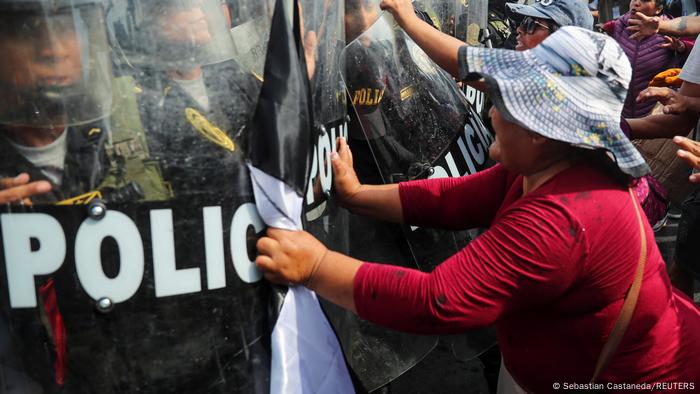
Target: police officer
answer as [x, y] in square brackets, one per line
[195, 99]
[55, 95]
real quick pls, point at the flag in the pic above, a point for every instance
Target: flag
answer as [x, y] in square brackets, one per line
[306, 354]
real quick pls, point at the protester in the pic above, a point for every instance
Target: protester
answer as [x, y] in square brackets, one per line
[539, 20]
[553, 270]
[649, 56]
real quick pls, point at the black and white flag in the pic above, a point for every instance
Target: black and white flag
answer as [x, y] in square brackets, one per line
[306, 354]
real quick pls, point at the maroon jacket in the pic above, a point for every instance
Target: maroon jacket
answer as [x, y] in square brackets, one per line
[647, 58]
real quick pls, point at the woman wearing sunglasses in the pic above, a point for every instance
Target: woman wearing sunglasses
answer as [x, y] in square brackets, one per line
[539, 20]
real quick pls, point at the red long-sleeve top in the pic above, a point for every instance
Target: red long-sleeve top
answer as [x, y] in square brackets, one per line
[551, 273]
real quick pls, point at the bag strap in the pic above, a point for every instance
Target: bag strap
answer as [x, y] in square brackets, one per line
[618, 330]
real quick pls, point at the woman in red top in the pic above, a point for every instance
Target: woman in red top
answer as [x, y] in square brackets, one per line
[564, 240]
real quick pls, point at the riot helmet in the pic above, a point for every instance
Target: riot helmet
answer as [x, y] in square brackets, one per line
[56, 69]
[171, 34]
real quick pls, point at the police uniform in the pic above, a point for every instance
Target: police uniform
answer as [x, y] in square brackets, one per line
[84, 167]
[200, 150]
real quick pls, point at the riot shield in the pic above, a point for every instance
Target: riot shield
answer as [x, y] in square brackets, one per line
[134, 273]
[408, 121]
[463, 19]
[467, 21]
[375, 355]
[57, 66]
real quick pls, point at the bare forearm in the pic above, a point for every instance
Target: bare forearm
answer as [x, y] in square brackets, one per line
[660, 126]
[684, 26]
[378, 201]
[440, 47]
[334, 279]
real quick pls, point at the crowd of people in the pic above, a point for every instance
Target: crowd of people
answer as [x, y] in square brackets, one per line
[567, 269]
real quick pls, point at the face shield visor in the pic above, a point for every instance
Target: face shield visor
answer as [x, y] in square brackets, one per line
[56, 69]
[175, 34]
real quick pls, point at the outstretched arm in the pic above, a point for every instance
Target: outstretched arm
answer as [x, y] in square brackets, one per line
[501, 271]
[678, 117]
[434, 203]
[644, 26]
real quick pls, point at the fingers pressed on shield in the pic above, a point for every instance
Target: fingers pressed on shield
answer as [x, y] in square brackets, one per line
[278, 234]
[344, 150]
[264, 263]
[267, 246]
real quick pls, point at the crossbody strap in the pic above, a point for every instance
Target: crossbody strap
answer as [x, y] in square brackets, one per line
[623, 321]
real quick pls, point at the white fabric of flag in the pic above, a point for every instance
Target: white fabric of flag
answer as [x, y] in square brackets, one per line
[306, 354]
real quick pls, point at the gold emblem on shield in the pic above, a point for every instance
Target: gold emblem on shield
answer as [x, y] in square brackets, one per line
[209, 130]
[82, 199]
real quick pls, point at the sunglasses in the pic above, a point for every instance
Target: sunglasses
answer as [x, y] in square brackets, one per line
[530, 24]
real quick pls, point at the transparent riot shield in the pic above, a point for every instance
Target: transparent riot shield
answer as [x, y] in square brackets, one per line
[409, 121]
[463, 19]
[56, 69]
[375, 355]
[467, 21]
[134, 272]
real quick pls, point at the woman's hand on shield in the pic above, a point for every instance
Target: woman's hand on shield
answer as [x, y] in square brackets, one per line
[289, 257]
[378, 201]
[296, 257]
[402, 10]
[345, 180]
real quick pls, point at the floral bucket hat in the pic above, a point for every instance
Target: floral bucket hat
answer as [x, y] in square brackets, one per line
[570, 88]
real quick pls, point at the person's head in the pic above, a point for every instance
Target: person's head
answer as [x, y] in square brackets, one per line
[55, 70]
[562, 97]
[38, 53]
[359, 15]
[647, 7]
[522, 150]
[171, 34]
[180, 22]
[538, 21]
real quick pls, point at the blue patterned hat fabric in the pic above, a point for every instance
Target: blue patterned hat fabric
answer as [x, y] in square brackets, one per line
[570, 88]
[562, 12]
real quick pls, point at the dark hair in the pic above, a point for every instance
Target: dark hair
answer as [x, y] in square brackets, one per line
[601, 159]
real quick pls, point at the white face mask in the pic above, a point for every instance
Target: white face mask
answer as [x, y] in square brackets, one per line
[49, 159]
